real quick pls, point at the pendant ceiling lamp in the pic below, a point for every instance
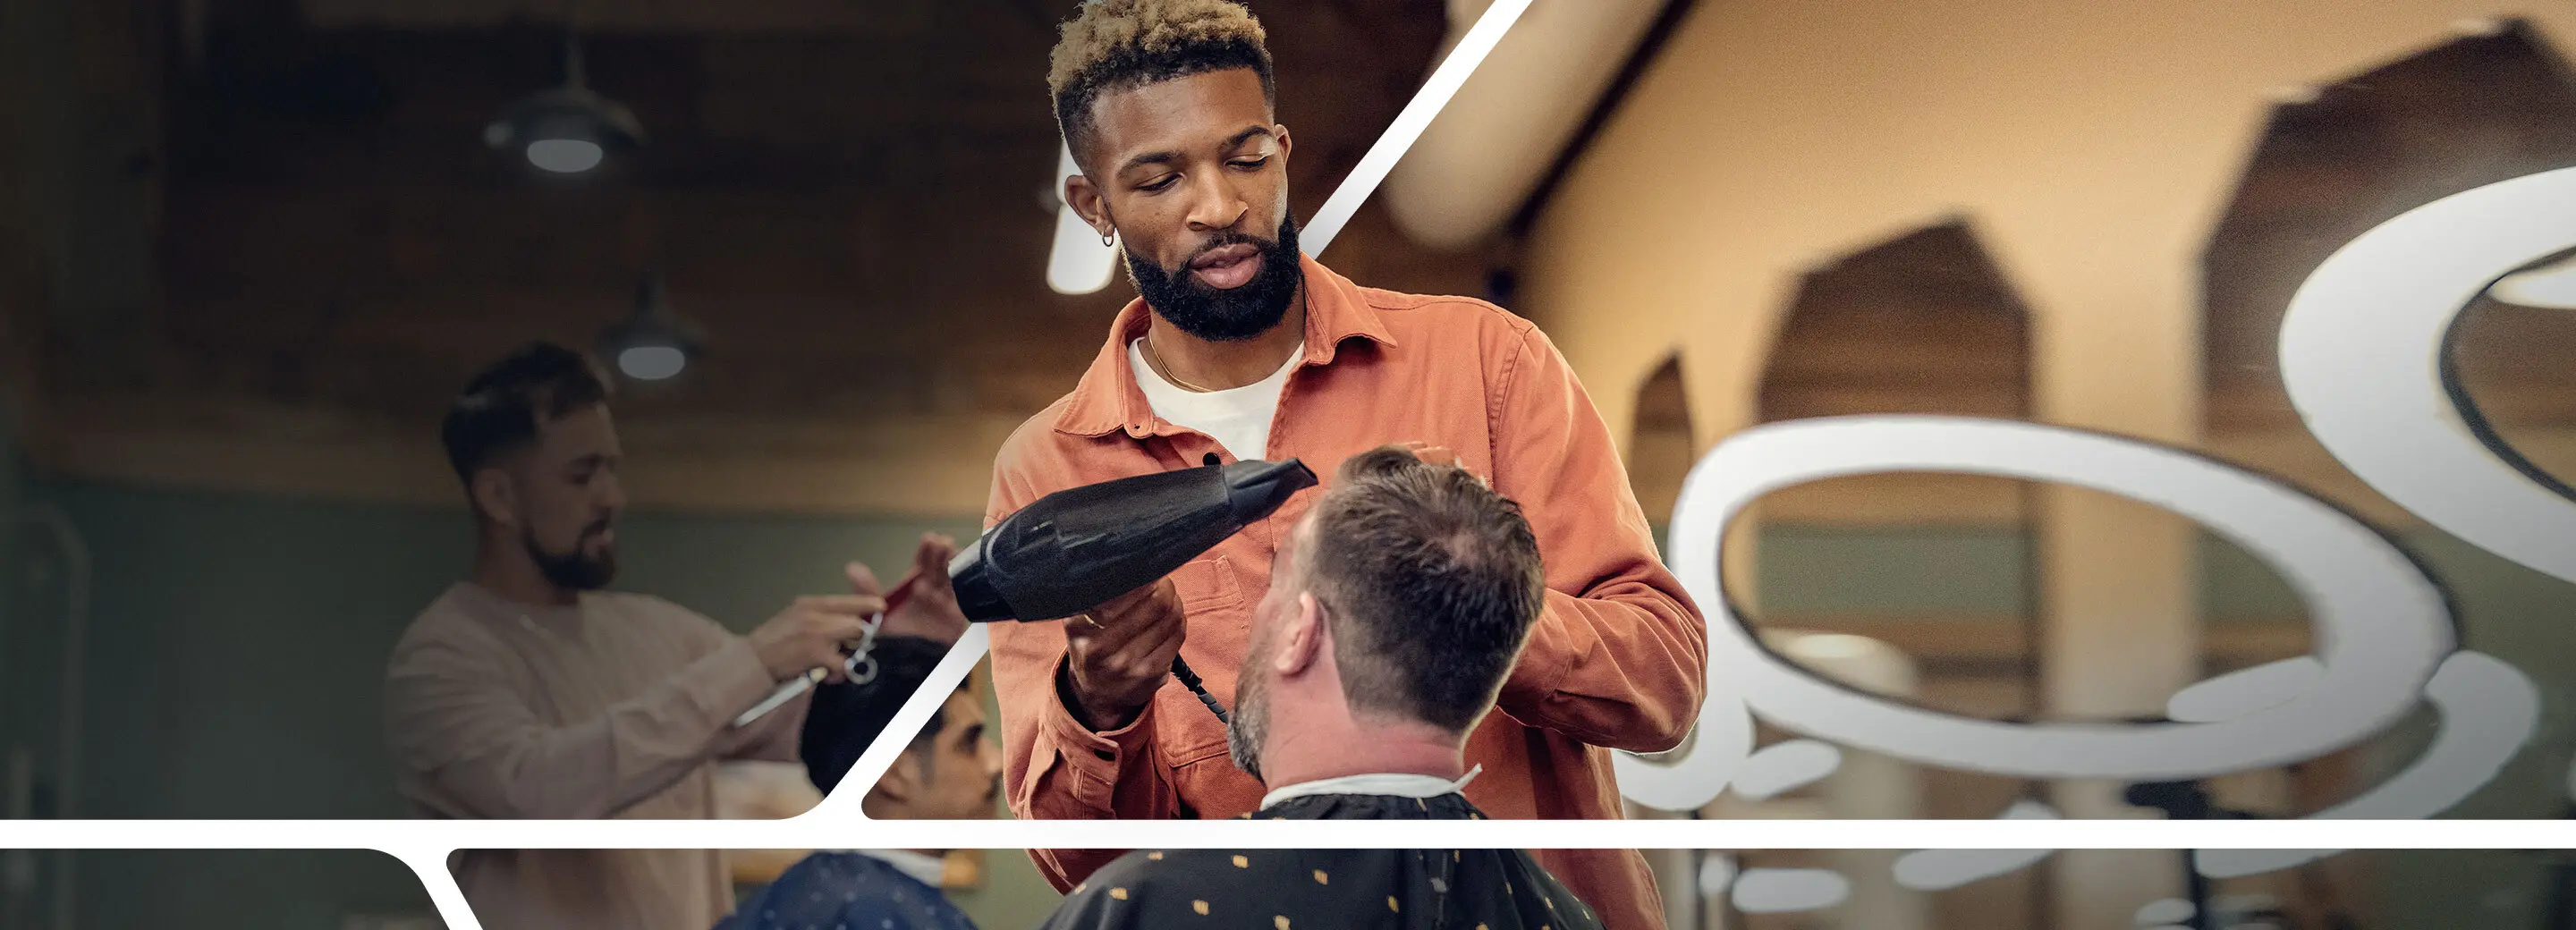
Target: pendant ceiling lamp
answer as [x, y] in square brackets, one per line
[654, 344]
[566, 130]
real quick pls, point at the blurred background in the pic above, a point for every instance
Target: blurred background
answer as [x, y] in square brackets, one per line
[250, 248]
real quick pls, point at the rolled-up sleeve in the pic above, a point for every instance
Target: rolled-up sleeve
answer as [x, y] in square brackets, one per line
[1619, 656]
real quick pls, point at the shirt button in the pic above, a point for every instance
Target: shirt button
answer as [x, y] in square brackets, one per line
[1105, 755]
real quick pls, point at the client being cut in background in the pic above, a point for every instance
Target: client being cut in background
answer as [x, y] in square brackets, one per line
[1396, 608]
[528, 690]
[952, 770]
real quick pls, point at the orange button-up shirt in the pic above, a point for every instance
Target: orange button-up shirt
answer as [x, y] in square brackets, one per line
[1616, 660]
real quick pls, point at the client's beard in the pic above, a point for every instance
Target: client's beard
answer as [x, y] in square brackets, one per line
[1250, 723]
[1233, 314]
[574, 571]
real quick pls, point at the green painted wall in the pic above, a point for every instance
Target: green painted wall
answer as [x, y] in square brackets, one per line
[238, 648]
[225, 889]
[238, 643]
[1014, 894]
[1965, 571]
[12, 490]
[21, 907]
[2506, 889]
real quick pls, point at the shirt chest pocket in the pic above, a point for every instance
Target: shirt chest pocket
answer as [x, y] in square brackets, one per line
[1207, 584]
[1219, 620]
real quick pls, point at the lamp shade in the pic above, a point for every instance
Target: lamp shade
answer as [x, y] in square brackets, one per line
[565, 130]
[654, 344]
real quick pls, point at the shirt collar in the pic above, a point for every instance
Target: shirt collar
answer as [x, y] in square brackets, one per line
[1108, 400]
[1389, 784]
[928, 870]
[484, 600]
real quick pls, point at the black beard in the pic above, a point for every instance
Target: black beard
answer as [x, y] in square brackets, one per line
[573, 571]
[1230, 315]
[1249, 724]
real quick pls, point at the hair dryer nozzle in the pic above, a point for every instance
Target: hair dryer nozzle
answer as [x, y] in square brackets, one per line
[1254, 489]
[978, 597]
[1077, 548]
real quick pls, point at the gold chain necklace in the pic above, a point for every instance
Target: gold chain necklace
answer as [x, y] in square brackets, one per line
[1155, 359]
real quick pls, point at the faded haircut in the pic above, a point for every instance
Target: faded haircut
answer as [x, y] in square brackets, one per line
[1432, 582]
[502, 407]
[1117, 44]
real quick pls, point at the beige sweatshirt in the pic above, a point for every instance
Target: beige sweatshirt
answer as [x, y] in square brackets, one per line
[617, 707]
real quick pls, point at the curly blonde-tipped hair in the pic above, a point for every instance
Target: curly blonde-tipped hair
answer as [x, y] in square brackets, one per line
[1114, 44]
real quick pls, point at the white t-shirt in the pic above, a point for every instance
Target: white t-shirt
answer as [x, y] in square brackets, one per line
[1237, 418]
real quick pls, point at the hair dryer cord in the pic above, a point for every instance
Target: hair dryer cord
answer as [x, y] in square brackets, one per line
[1190, 679]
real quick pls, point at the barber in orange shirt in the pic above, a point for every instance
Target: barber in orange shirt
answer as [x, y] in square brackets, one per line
[1241, 347]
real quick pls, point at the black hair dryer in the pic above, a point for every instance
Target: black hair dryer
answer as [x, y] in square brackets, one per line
[1074, 549]
[1077, 548]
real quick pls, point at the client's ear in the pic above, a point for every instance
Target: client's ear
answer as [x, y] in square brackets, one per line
[1307, 636]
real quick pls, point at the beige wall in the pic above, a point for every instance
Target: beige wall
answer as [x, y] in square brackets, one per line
[2091, 148]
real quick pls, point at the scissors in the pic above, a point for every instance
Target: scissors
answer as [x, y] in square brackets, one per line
[860, 666]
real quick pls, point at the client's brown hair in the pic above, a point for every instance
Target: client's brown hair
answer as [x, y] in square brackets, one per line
[1431, 580]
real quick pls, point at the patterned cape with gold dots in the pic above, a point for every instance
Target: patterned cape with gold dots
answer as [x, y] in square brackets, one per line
[1282, 889]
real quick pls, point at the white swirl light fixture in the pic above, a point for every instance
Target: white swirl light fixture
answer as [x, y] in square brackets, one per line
[1786, 766]
[1788, 891]
[1944, 869]
[2552, 286]
[2382, 626]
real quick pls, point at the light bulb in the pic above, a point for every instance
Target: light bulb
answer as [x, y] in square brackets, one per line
[651, 363]
[565, 156]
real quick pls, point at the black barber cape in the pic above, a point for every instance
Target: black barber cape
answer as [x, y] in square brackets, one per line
[1286, 889]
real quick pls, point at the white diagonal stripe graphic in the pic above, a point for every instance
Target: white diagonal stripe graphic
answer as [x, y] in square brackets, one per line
[1409, 124]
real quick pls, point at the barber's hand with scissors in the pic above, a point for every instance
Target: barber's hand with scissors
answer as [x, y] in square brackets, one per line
[810, 634]
[924, 603]
[1119, 653]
